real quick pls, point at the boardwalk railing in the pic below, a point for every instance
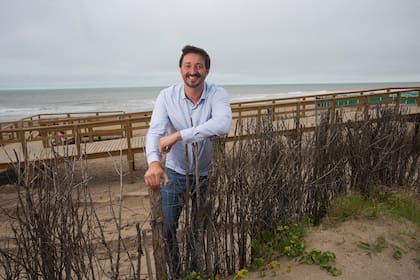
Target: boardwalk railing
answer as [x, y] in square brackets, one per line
[94, 139]
[310, 107]
[70, 115]
[102, 134]
[9, 129]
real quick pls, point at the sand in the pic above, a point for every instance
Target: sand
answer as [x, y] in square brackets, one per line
[342, 239]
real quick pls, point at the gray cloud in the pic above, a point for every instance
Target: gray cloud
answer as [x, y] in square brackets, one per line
[95, 43]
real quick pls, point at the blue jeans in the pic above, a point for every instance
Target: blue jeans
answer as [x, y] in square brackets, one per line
[173, 199]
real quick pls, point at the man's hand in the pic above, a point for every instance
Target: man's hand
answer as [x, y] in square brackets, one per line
[154, 175]
[166, 142]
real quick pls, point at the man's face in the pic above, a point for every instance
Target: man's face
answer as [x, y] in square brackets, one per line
[193, 70]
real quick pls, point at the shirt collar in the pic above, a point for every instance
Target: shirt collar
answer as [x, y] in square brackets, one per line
[203, 96]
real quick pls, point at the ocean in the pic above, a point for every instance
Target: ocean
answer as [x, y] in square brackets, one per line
[16, 104]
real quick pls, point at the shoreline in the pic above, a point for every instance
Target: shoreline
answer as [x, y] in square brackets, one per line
[20, 103]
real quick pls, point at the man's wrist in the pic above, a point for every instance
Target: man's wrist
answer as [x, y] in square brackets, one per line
[154, 163]
[178, 136]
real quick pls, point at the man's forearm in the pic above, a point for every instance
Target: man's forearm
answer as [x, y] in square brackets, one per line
[166, 142]
[152, 148]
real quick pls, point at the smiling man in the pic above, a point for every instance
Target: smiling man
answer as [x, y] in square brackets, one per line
[184, 118]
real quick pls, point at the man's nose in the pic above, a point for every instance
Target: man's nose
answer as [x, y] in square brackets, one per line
[193, 69]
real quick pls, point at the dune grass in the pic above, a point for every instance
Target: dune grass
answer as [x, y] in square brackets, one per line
[382, 201]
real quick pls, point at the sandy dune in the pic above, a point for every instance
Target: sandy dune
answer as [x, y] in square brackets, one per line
[342, 239]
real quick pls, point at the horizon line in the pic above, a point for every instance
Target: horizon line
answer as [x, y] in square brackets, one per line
[221, 84]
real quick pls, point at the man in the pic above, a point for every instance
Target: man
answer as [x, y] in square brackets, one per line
[185, 116]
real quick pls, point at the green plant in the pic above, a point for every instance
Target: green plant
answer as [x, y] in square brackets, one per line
[417, 260]
[289, 239]
[258, 262]
[380, 244]
[323, 259]
[243, 273]
[377, 247]
[285, 239]
[193, 276]
[396, 252]
[363, 245]
[273, 265]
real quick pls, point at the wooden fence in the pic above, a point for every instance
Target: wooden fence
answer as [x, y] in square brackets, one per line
[101, 134]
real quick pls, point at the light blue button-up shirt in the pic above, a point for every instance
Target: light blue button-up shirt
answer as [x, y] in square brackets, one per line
[173, 112]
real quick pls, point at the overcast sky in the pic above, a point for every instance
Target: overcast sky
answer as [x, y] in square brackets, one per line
[82, 43]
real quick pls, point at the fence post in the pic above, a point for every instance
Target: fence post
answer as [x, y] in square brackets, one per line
[297, 121]
[90, 132]
[332, 112]
[388, 91]
[273, 111]
[130, 155]
[23, 143]
[304, 107]
[27, 169]
[259, 120]
[397, 102]
[77, 140]
[418, 98]
[366, 107]
[361, 104]
[44, 136]
[158, 236]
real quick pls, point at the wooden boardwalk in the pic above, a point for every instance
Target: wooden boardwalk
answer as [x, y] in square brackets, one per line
[95, 136]
[13, 153]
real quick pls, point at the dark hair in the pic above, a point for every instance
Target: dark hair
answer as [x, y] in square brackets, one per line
[191, 49]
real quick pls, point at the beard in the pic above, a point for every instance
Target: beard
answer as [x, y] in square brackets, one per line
[197, 82]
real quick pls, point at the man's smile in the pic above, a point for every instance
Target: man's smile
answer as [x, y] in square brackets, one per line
[197, 75]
